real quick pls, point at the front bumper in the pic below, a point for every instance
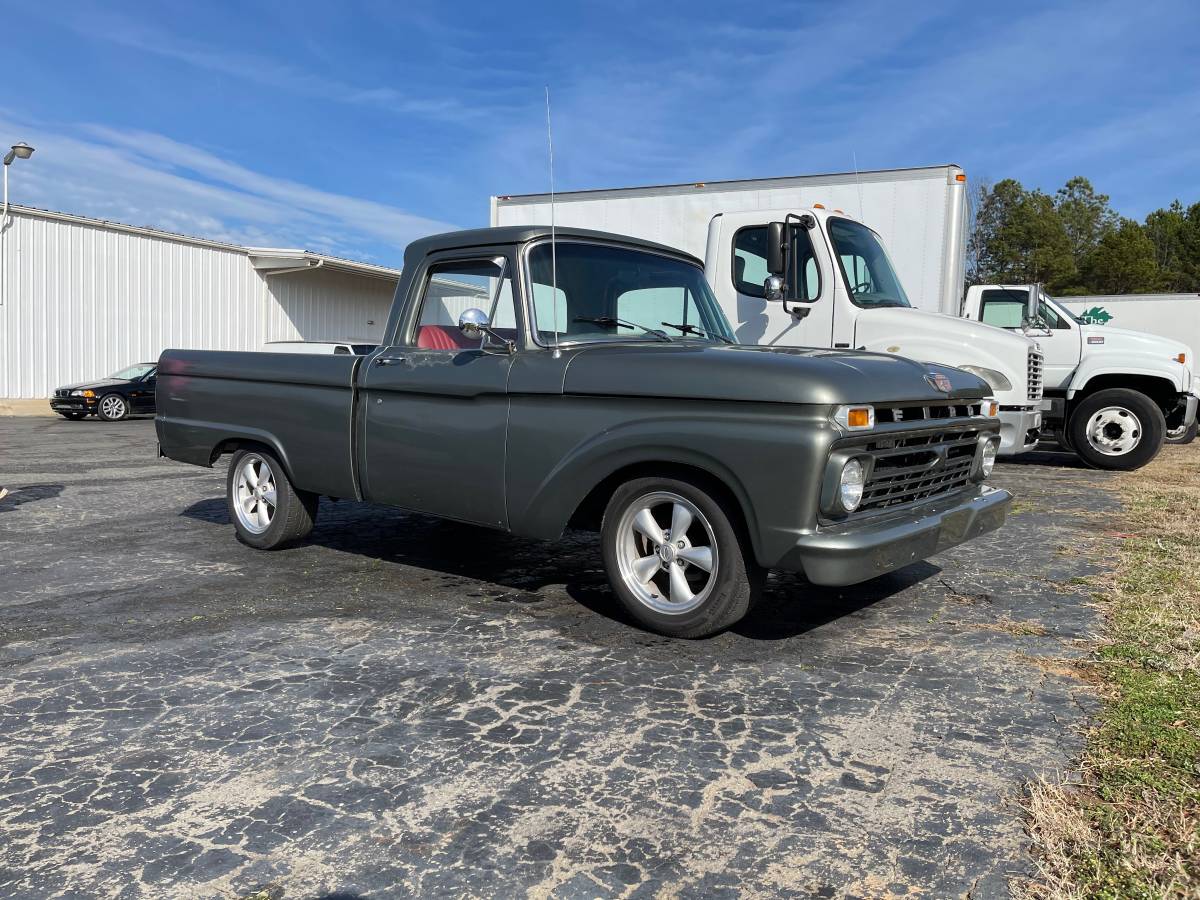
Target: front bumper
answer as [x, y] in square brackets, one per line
[850, 553]
[1019, 430]
[72, 404]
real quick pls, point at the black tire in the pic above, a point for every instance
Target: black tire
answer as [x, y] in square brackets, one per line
[725, 595]
[294, 513]
[1133, 413]
[73, 416]
[1181, 436]
[112, 408]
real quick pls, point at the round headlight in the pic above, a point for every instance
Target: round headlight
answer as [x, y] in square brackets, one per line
[987, 458]
[850, 486]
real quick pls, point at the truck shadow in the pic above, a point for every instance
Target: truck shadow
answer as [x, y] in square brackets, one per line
[31, 493]
[507, 569]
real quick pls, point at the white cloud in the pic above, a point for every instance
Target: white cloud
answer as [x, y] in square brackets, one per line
[143, 178]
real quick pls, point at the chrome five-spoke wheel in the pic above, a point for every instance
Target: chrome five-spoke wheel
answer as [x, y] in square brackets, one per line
[255, 499]
[1114, 431]
[667, 553]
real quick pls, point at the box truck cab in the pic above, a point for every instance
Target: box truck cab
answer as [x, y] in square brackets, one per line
[1110, 394]
[819, 278]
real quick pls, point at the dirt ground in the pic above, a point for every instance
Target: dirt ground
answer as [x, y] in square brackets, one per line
[407, 707]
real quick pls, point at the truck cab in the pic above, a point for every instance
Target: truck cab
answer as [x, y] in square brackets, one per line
[840, 290]
[1110, 394]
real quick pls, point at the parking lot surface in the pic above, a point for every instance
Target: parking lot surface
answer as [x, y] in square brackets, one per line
[402, 706]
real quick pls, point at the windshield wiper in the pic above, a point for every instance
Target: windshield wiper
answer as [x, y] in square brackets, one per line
[687, 328]
[610, 321]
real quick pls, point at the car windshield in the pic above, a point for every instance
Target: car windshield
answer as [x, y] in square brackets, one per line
[869, 275]
[607, 293]
[134, 372]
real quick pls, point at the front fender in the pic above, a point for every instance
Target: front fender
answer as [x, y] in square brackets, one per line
[771, 460]
[1124, 362]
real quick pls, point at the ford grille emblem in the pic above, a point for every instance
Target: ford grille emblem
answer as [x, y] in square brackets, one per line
[938, 381]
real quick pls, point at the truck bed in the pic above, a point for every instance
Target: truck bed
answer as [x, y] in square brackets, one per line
[300, 405]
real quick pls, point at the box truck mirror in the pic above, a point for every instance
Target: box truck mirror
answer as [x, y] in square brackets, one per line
[773, 287]
[1033, 302]
[777, 248]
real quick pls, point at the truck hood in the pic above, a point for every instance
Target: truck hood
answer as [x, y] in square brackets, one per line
[898, 323]
[1134, 342]
[949, 340]
[759, 374]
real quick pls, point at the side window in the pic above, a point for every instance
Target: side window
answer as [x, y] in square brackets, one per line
[750, 262]
[450, 290]
[1001, 309]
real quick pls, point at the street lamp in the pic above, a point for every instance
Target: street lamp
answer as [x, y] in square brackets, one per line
[19, 150]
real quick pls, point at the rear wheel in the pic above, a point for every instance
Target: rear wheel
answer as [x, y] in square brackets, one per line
[267, 511]
[1117, 429]
[675, 560]
[112, 408]
[1181, 435]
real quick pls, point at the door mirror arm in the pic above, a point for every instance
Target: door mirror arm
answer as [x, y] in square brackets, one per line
[475, 325]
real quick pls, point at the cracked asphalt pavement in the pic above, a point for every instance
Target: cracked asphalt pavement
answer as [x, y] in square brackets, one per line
[405, 707]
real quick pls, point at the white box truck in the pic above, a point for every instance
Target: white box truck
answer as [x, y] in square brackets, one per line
[840, 288]
[1109, 393]
[1174, 316]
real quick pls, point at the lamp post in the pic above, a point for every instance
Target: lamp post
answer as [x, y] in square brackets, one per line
[18, 151]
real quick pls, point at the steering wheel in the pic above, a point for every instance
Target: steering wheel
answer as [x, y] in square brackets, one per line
[863, 287]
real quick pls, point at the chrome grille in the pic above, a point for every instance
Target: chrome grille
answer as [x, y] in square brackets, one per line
[918, 467]
[1035, 375]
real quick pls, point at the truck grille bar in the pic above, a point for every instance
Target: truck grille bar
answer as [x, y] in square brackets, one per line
[910, 469]
[1035, 375]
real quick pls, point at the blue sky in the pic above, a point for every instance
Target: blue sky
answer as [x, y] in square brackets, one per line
[352, 128]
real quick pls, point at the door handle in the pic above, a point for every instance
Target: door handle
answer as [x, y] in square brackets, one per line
[388, 360]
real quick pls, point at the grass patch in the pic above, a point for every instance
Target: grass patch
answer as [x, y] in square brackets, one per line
[1130, 826]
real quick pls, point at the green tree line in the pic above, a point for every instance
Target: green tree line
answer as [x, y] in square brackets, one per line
[1075, 243]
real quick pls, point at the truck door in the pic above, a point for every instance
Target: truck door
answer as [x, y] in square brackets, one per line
[435, 404]
[1061, 348]
[757, 320]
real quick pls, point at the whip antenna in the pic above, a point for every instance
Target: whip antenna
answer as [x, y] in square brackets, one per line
[553, 247]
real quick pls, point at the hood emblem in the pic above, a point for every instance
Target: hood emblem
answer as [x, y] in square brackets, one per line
[939, 381]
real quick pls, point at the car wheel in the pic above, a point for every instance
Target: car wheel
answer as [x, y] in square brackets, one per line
[73, 416]
[675, 560]
[112, 408]
[1117, 429]
[1181, 435]
[267, 511]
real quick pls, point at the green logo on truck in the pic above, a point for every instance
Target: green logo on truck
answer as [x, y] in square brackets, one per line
[1097, 315]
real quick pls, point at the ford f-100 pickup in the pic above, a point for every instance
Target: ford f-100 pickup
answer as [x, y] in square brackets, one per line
[529, 382]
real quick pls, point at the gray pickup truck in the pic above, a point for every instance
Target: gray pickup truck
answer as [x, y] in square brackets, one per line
[529, 384]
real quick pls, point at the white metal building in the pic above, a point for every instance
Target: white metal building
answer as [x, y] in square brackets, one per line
[80, 298]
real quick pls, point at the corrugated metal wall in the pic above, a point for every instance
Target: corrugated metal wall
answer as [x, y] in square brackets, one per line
[324, 303]
[79, 300]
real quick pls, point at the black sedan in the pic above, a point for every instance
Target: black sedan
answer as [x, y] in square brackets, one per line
[119, 395]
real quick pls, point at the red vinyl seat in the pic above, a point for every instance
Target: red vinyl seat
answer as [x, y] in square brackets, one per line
[440, 337]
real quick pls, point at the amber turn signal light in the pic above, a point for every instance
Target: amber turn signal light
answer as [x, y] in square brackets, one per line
[1181, 358]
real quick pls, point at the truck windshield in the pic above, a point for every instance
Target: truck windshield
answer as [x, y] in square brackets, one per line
[868, 272]
[609, 293]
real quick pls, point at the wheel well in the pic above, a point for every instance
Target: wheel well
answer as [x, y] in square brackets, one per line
[233, 445]
[1160, 390]
[590, 511]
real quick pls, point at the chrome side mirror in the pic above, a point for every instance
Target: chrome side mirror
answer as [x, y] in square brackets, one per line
[773, 287]
[473, 323]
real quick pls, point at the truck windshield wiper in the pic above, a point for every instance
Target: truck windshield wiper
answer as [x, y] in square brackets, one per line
[687, 328]
[610, 321]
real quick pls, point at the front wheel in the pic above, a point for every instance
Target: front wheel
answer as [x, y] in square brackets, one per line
[675, 560]
[1117, 429]
[267, 511]
[112, 408]
[1181, 435]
